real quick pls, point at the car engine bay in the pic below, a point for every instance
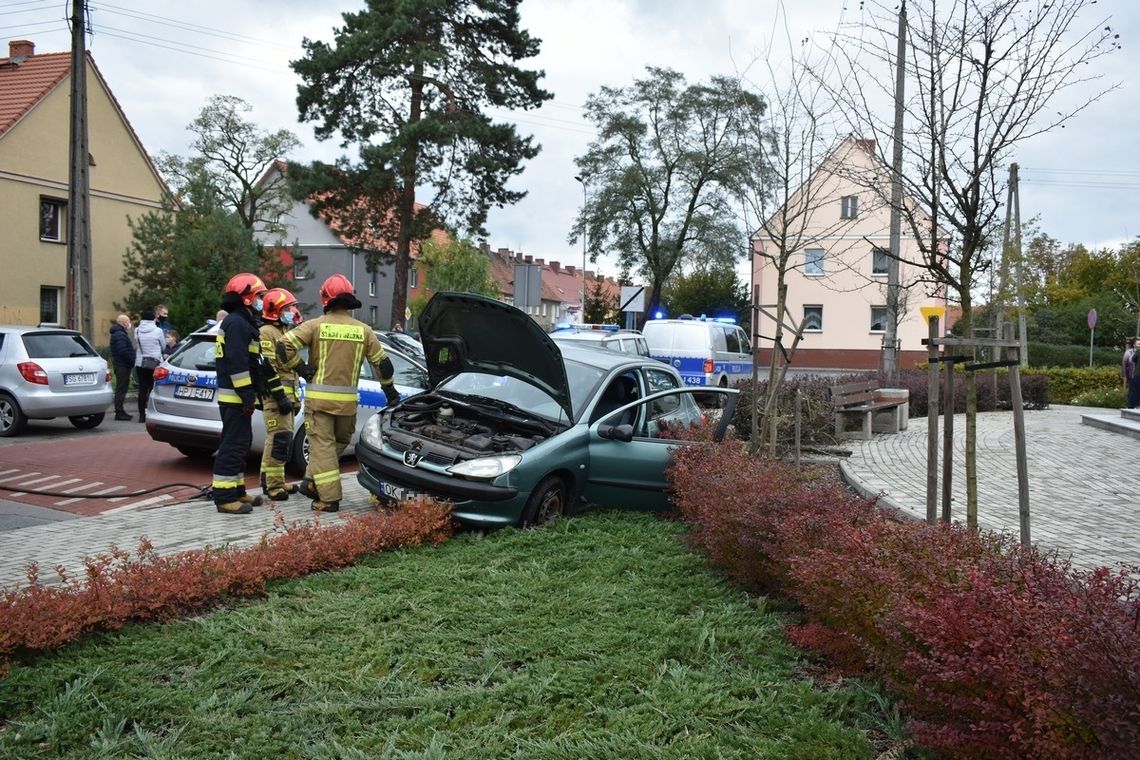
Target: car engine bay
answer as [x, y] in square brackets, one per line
[471, 430]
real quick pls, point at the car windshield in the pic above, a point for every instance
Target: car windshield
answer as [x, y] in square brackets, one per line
[582, 377]
[196, 354]
[56, 345]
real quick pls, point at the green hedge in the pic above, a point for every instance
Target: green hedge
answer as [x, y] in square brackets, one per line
[1068, 383]
[1050, 355]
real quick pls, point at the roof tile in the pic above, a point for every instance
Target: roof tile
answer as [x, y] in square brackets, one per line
[24, 84]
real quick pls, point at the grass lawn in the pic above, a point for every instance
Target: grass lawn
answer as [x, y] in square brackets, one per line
[599, 637]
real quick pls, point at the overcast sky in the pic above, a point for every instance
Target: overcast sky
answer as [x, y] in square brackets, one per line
[163, 59]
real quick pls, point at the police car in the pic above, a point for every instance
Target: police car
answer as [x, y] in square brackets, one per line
[706, 351]
[610, 337]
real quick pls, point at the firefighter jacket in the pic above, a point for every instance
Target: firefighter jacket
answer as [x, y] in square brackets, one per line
[338, 344]
[270, 333]
[244, 376]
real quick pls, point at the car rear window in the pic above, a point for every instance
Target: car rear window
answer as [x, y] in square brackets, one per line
[197, 354]
[56, 345]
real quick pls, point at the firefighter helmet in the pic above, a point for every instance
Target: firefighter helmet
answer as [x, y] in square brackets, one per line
[337, 285]
[298, 317]
[246, 286]
[275, 302]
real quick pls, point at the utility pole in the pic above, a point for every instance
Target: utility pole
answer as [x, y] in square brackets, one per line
[890, 336]
[79, 311]
[582, 179]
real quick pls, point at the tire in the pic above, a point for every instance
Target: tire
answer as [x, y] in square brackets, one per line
[12, 419]
[194, 452]
[298, 454]
[87, 421]
[546, 504]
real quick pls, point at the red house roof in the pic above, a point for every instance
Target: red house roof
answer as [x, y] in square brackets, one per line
[26, 78]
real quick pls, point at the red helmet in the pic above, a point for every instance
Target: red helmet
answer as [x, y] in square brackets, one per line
[247, 286]
[337, 285]
[275, 302]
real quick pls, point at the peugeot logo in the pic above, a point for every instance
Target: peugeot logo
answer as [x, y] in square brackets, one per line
[411, 458]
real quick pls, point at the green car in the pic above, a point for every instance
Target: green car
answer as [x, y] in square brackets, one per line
[516, 429]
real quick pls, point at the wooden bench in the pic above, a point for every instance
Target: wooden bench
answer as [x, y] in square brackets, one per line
[867, 400]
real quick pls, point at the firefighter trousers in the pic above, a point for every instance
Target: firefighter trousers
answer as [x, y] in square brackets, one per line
[229, 462]
[329, 435]
[278, 439]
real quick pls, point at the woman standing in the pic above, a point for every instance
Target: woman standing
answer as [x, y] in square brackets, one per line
[150, 340]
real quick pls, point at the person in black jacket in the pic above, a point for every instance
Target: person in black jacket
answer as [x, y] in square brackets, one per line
[122, 362]
[244, 378]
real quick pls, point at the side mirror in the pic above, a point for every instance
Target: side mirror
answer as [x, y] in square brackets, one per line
[623, 433]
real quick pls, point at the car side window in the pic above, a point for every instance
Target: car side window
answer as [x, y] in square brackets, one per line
[656, 381]
[745, 344]
[407, 373]
[718, 339]
[674, 418]
[731, 340]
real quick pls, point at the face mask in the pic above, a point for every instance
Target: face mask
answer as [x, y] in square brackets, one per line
[287, 318]
[258, 303]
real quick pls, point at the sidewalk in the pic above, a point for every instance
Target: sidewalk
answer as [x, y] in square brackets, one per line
[1084, 483]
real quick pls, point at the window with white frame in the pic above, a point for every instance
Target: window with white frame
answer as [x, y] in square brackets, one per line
[813, 319]
[373, 315]
[51, 219]
[813, 262]
[878, 319]
[50, 298]
[300, 267]
[413, 277]
[372, 286]
[849, 206]
[880, 260]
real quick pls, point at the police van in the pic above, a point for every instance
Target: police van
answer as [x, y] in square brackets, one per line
[706, 351]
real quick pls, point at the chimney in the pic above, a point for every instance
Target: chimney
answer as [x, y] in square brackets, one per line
[570, 269]
[540, 262]
[528, 259]
[505, 252]
[485, 247]
[19, 50]
[555, 267]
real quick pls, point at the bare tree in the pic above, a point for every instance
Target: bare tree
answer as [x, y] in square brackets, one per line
[983, 76]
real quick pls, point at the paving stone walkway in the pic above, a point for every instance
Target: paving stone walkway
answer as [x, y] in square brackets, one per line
[1084, 483]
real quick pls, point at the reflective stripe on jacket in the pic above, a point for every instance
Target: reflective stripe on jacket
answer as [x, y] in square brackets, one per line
[338, 345]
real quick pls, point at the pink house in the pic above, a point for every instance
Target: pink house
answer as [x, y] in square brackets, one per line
[837, 283]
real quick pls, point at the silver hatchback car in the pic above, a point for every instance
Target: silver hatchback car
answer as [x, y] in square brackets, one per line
[48, 372]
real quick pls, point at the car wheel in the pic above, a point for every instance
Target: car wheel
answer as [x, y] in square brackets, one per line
[298, 454]
[12, 419]
[194, 452]
[87, 421]
[546, 504]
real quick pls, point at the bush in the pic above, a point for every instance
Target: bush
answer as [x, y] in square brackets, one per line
[1049, 355]
[120, 586]
[1066, 383]
[817, 426]
[1109, 398]
[996, 651]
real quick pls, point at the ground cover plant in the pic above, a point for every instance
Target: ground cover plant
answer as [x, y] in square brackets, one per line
[996, 652]
[601, 636]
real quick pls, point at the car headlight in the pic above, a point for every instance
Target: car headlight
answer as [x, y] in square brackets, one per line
[370, 433]
[486, 468]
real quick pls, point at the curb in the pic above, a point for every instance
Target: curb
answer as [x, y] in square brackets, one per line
[881, 498]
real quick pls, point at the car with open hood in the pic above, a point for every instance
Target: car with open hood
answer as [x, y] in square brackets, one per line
[516, 429]
[182, 410]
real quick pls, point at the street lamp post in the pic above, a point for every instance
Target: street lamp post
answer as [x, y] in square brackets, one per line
[582, 180]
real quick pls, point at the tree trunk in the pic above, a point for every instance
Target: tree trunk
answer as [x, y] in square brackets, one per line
[407, 207]
[776, 369]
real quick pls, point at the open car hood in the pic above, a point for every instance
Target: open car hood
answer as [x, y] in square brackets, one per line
[464, 332]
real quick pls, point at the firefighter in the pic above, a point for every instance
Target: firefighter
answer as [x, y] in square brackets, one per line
[337, 343]
[278, 314]
[243, 376]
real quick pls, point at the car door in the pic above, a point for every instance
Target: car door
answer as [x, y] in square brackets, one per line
[627, 463]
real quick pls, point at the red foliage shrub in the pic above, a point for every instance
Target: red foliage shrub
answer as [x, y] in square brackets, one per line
[119, 586]
[995, 651]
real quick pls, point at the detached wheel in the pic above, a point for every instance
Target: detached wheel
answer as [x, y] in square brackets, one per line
[546, 504]
[12, 419]
[298, 454]
[87, 421]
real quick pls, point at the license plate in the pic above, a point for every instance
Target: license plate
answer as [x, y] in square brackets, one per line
[398, 493]
[195, 392]
[84, 378]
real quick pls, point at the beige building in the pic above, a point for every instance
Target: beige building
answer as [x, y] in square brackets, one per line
[34, 125]
[837, 283]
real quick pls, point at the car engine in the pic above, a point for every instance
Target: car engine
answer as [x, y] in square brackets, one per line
[446, 430]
